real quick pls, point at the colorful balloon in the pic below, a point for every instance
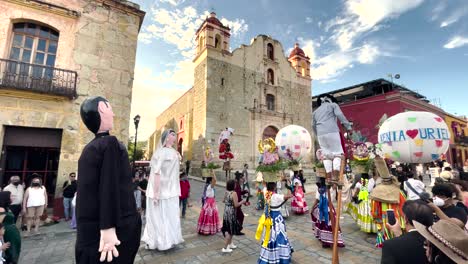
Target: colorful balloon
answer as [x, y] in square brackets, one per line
[293, 142]
[414, 137]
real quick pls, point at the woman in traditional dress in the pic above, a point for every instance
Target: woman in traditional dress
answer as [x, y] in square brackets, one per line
[360, 208]
[299, 204]
[275, 247]
[231, 225]
[162, 230]
[208, 221]
[323, 215]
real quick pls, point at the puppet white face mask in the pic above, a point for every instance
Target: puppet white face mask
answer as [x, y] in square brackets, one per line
[171, 138]
[107, 116]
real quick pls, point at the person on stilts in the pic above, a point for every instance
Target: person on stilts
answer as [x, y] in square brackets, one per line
[326, 129]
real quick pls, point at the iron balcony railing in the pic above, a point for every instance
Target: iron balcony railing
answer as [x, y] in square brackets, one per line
[37, 78]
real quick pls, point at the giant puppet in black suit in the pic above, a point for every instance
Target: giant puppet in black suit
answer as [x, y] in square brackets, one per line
[108, 225]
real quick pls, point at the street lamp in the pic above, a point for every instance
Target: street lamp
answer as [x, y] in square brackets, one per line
[136, 121]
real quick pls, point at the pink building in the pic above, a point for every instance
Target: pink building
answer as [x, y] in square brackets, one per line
[367, 103]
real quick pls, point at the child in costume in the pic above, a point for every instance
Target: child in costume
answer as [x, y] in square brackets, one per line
[208, 221]
[323, 216]
[299, 204]
[275, 246]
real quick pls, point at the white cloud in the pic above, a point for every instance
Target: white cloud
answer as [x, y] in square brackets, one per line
[172, 2]
[308, 46]
[454, 16]
[361, 16]
[177, 26]
[367, 54]
[308, 20]
[456, 42]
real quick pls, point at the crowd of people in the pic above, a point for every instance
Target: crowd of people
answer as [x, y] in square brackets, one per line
[20, 207]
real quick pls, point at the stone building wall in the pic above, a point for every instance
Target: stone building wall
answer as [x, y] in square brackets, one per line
[99, 43]
[181, 109]
[223, 94]
[234, 82]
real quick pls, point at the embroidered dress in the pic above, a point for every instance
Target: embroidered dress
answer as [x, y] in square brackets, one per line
[299, 204]
[230, 223]
[208, 221]
[322, 221]
[361, 211]
[277, 249]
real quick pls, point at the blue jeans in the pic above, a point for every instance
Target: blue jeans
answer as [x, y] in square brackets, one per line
[67, 207]
[183, 204]
[137, 194]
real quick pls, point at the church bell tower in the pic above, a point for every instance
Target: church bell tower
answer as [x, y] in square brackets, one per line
[212, 34]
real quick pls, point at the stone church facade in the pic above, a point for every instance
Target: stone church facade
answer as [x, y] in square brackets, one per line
[53, 55]
[254, 89]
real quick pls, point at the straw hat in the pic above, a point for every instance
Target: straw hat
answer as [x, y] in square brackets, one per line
[381, 167]
[447, 237]
[446, 175]
[386, 192]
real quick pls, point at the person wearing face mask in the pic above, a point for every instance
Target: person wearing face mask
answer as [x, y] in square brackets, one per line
[34, 204]
[17, 193]
[108, 224]
[162, 229]
[444, 207]
[69, 190]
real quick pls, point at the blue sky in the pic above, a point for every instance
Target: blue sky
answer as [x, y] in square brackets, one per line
[348, 41]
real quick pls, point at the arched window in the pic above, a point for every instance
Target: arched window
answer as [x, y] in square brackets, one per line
[34, 44]
[304, 68]
[201, 43]
[270, 77]
[218, 41]
[270, 102]
[270, 51]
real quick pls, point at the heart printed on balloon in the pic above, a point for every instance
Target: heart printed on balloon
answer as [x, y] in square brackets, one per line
[438, 119]
[439, 143]
[412, 133]
[418, 154]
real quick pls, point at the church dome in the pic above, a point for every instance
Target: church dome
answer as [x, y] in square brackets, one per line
[214, 20]
[297, 51]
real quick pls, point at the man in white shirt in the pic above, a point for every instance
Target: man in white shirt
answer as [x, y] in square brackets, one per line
[417, 185]
[17, 194]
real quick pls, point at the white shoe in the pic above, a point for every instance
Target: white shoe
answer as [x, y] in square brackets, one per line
[226, 250]
[232, 246]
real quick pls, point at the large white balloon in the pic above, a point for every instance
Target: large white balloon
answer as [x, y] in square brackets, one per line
[414, 137]
[294, 138]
